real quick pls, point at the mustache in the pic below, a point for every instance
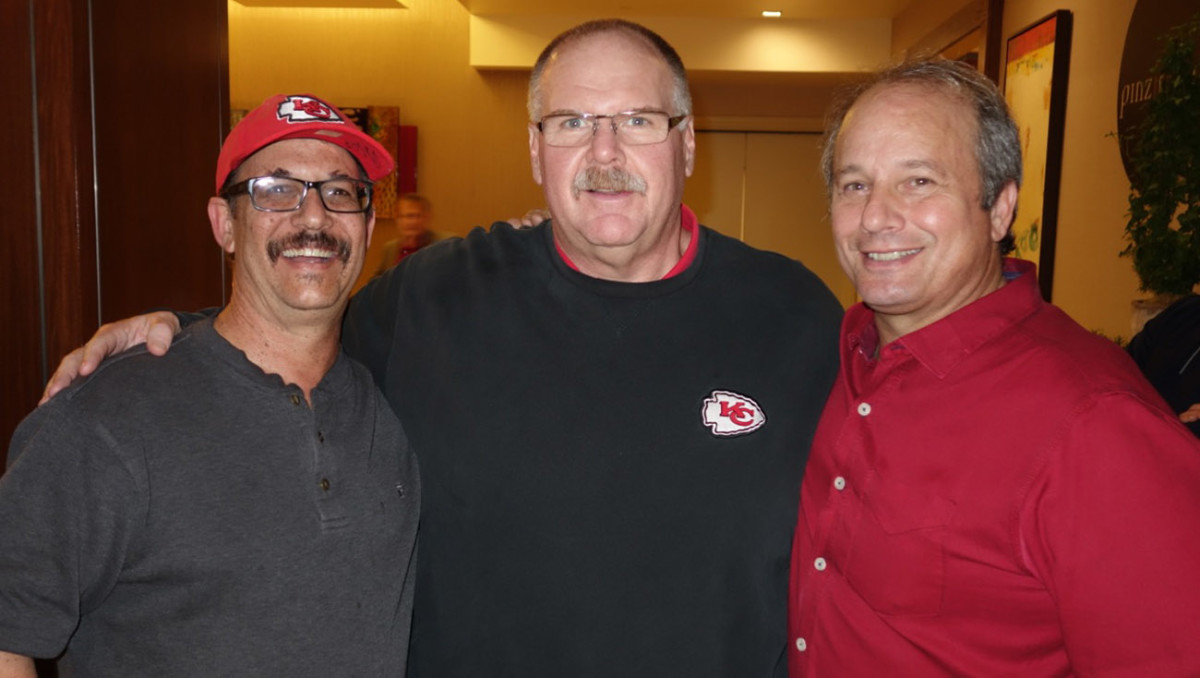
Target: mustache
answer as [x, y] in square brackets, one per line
[305, 239]
[607, 179]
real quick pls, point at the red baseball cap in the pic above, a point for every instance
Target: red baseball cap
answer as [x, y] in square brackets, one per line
[299, 116]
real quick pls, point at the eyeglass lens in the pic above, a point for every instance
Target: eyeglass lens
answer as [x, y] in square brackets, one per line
[650, 127]
[282, 194]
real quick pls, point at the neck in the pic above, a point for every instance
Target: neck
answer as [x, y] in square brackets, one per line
[300, 353]
[631, 264]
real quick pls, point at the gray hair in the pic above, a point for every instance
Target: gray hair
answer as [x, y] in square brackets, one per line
[997, 144]
[681, 96]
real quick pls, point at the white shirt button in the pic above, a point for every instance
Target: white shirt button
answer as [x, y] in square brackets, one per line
[801, 644]
[864, 409]
[839, 483]
[819, 563]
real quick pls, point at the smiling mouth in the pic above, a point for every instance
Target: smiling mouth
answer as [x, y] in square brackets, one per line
[891, 256]
[309, 246]
[312, 252]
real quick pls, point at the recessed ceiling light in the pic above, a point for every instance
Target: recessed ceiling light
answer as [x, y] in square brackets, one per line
[772, 13]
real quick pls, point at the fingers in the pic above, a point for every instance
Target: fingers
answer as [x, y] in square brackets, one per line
[535, 216]
[1190, 414]
[109, 339]
[67, 370]
[156, 329]
[162, 329]
[531, 218]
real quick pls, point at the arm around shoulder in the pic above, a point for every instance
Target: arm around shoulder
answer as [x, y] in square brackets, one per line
[156, 330]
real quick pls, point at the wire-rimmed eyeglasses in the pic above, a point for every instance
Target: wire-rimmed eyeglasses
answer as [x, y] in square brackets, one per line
[636, 128]
[286, 194]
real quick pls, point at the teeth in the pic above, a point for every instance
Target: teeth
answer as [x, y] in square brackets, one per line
[309, 252]
[890, 256]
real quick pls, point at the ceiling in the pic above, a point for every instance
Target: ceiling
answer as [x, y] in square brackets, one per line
[705, 9]
[715, 9]
[820, 41]
[729, 47]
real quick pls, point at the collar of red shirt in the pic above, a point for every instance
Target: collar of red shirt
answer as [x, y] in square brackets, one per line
[943, 344]
[687, 221]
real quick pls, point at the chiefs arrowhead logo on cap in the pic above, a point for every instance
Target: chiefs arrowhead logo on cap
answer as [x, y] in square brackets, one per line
[729, 414]
[306, 109]
[299, 116]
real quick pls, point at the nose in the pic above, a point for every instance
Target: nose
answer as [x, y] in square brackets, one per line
[312, 213]
[605, 146]
[878, 213]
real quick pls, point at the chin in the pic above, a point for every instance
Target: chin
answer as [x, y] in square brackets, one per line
[882, 298]
[613, 231]
[315, 304]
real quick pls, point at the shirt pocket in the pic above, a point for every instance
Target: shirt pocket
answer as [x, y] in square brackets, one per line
[897, 558]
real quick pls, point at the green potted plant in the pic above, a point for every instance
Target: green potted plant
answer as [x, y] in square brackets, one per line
[1163, 231]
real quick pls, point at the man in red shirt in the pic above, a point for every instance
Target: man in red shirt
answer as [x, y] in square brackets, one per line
[992, 490]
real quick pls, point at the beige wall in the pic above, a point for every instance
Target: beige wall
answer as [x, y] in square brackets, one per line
[747, 44]
[472, 143]
[1091, 282]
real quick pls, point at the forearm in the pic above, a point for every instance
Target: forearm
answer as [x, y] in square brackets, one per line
[16, 666]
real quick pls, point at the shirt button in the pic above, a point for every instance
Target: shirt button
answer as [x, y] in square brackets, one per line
[295, 399]
[320, 436]
[864, 409]
[839, 483]
[325, 484]
[801, 644]
[819, 563]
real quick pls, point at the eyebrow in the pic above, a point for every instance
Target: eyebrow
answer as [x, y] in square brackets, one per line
[915, 163]
[336, 174]
[644, 109]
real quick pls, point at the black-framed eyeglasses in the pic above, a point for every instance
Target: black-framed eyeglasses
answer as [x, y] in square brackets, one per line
[286, 194]
[636, 128]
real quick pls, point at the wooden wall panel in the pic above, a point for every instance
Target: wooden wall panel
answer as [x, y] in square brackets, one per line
[161, 113]
[66, 193]
[110, 142]
[20, 318]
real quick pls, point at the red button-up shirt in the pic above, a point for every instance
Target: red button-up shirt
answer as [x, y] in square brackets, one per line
[997, 494]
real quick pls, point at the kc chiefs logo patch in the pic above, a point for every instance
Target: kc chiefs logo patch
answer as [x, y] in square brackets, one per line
[306, 109]
[729, 414]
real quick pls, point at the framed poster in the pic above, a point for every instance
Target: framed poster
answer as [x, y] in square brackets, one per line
[1035, 85]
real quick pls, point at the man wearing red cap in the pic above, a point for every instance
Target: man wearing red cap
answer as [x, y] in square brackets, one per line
[246, 505]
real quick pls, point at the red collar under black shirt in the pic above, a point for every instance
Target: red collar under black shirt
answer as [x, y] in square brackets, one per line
[688, 224]
[999, 493]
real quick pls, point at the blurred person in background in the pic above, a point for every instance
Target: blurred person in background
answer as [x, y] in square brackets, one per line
[412, 228]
